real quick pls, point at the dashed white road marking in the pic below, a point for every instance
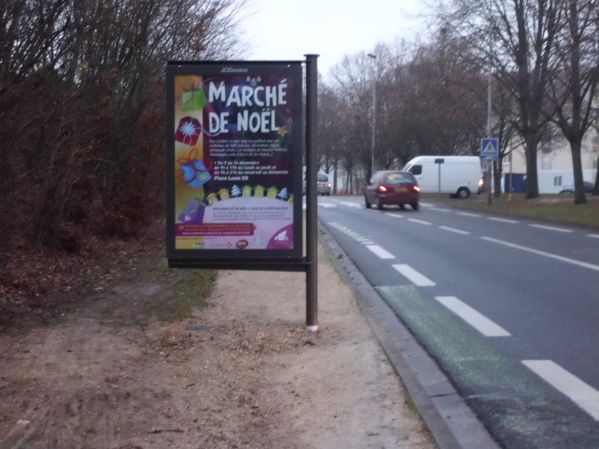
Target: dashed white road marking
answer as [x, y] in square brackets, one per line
[365, 241]
[393, 215]
[457, 231]
[469, 214]
[327, 205]
[422, 222]
[503, 220]
[426, 204]
[350, 204]
[414, 276]
[380, 252]
[538, 252]
[440, 209]
[581, 393]
[593, 236]
[551, 228]
[471, 316]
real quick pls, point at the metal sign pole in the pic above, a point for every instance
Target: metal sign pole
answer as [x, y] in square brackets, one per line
[311, 198]
[490, 164]
[439, 161]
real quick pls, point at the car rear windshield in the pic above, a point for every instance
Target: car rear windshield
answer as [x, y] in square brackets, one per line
[399, 178]
[323, 178]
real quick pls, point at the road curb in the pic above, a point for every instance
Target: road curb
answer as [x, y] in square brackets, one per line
[451, 422]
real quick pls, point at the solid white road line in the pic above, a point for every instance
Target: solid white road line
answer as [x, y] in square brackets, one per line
[471, 316]
[415, 277]
[457, 231]
[593, 236]
[468, 214]
[550, 228]
[427, 223]
[380, 252]
[585, 396]
[327, 205]
[503, 220]
[579, 263]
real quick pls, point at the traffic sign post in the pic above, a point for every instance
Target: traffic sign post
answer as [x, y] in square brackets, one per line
[489, 149]
[439, 161]
[489, 152]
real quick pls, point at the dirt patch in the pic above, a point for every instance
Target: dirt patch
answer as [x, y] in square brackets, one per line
[240, 372]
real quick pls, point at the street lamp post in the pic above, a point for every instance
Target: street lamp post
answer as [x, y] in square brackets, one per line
[373, 57]
[489, 163]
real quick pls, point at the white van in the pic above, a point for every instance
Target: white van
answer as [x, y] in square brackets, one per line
[456, 175]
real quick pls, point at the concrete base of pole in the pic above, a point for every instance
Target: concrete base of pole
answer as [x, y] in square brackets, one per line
[312, 329]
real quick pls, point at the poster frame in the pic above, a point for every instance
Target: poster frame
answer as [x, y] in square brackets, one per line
[260, 259]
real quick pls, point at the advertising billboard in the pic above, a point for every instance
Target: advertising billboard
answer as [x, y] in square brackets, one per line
[234, 160]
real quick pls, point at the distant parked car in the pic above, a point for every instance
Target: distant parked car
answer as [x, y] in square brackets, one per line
[323, 186]
[588, 188]
[392, 187]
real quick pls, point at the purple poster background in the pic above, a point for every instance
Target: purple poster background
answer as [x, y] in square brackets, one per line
[237, 138]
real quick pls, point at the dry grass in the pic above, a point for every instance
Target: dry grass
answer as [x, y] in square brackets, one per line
[555, 208]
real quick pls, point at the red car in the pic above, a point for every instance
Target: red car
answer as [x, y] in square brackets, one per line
[392, 187]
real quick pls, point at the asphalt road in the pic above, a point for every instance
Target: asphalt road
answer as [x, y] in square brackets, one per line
[509, 308]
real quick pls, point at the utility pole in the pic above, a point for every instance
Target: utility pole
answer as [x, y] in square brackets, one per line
[373, 57]
[489, 163]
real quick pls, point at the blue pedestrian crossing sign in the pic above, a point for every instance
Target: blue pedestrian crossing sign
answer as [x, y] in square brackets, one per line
[489, 149]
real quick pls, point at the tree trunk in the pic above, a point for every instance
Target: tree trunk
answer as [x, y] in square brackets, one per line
[532, 178]
[579, 195]
[335, 169]
[497, 172]
[596, 188]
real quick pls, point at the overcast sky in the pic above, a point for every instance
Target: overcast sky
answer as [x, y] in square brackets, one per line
[288, 29]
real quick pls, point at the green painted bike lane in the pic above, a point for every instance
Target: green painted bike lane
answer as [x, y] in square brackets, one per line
[519, 409]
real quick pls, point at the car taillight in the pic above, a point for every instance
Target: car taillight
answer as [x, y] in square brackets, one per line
[416, 188]
[382, 189]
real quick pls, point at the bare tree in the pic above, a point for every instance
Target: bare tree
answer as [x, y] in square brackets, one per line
[574, 86]
[330, 131]
[353, 85]
[516, 41]
[81, 99]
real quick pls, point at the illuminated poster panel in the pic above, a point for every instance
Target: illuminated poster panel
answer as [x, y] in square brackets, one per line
[234, 148]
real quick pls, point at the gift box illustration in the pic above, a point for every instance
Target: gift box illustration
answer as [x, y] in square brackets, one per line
[193, 212]
[188, 131]
[193, 171]
[193, 100]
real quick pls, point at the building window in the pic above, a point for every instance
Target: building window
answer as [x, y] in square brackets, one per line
[557, 180]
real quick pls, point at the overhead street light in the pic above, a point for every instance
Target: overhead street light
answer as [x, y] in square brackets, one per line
[373, 57]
